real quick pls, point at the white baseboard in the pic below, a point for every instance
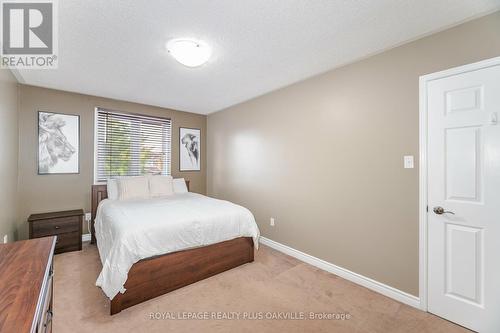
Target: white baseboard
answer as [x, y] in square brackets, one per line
[364, 281]
[86, 238]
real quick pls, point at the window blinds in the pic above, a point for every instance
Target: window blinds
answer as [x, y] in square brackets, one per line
[131, 145]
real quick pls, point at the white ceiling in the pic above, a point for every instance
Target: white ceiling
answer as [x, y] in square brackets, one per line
[116, 48]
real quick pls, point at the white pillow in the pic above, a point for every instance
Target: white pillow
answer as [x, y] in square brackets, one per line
[160, 186]
[112, 189]
[180, 185]
[133, 188]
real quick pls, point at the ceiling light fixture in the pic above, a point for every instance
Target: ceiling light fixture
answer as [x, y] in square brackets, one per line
[190, 53]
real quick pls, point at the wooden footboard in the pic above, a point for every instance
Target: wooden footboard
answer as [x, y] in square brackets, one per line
[156, 276]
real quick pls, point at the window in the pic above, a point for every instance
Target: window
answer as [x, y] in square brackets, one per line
[131, 145]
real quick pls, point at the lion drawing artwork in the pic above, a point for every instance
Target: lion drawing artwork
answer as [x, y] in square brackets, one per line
[53, 144]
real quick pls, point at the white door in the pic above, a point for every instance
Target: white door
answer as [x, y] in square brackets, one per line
[464, 198]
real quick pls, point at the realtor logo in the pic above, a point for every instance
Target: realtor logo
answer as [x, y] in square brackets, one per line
[29, 38]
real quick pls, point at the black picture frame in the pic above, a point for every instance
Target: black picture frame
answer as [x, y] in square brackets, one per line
[183, 148]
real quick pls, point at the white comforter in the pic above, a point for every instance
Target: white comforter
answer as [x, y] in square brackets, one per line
[128, 231]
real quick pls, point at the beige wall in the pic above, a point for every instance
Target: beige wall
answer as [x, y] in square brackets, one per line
[9, 154]
[60, 192]
[325, 156]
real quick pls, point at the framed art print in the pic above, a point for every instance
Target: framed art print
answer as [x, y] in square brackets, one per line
[189, 149]
[58, 143]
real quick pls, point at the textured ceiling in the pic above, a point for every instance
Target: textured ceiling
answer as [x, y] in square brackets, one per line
[116, 48]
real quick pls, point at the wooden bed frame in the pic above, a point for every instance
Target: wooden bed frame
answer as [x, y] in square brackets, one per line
[152, 277]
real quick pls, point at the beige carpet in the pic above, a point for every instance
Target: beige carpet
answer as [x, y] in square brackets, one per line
[272, 286]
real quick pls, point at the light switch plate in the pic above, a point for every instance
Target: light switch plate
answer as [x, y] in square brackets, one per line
[408, 162]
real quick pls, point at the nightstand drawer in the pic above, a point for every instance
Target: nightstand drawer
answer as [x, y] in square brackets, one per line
[68, 242]
[56, 227]
[66, 225]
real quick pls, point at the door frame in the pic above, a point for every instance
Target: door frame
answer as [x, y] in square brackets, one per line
[423, 184]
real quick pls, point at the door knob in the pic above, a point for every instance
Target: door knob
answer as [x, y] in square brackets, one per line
[440, 211]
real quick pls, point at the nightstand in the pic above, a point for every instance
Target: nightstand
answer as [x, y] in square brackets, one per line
[67, 226]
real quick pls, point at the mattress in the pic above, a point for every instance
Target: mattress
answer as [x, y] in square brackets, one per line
[130, 230]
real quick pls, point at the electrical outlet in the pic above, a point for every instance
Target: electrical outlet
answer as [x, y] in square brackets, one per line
[5, 239]
[88, 216]
[408, 162]
[271, 222]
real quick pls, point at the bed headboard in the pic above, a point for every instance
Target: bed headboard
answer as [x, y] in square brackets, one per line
[99, 193]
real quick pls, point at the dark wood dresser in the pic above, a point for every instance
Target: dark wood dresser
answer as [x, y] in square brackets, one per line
[67, 226]
[26, 271]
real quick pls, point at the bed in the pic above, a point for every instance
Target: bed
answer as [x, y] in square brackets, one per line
[140, 263]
